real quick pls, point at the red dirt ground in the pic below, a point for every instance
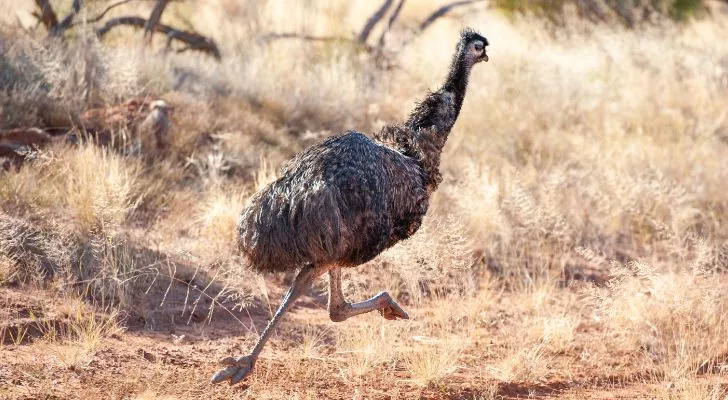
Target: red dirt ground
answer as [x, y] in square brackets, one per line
[177, 360]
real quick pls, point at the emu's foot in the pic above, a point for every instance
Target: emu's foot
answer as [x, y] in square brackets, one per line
[391, 310]
[235, 370]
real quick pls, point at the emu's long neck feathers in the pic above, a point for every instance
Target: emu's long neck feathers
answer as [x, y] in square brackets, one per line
[440, 109]
[457, 83]
[424, 134]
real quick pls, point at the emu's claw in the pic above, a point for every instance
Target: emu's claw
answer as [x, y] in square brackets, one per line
[393, 311]
[235, 369]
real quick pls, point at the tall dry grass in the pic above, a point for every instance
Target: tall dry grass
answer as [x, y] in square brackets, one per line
[676, 321]
[575, 148]
[75, 344]
[99, 188]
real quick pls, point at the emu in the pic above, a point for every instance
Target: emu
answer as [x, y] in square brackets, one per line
[343, 201]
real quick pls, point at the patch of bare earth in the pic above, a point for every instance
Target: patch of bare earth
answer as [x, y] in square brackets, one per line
[309, 357]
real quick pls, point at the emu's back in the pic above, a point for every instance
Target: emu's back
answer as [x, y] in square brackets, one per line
[342, 201]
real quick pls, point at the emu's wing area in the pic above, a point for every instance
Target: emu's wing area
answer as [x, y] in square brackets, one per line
[342, 201]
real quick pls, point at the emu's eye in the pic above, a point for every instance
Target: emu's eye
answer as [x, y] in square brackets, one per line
[478, 46]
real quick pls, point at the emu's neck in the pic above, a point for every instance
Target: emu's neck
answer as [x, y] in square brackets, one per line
[425, 132]
[456, 83]
[440, 110]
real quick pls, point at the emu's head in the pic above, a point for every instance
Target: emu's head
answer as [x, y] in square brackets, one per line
[472, 46]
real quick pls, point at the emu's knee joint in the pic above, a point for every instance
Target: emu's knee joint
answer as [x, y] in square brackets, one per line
[338, 314]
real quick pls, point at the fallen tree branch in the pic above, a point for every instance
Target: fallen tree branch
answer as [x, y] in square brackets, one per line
[443, 11]
[194, 40]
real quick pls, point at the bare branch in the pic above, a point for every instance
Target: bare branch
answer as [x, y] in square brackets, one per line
[392, 18]
[154, 18]
[373, 20]
[444, 10]
[103, 13]
[47, 16]
[68, 20]
[194, 40]
[137, 22]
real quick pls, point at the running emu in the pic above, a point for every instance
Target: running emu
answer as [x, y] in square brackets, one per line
[343, 201]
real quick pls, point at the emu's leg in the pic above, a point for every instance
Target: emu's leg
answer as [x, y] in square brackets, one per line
[340, 310]
[237, 369]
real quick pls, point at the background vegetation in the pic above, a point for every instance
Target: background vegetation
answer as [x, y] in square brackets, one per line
[577, 245]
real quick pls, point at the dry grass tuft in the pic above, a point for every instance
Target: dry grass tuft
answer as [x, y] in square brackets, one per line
[99, 187]
[113, 272]
[542, 326]
[428, 365]
[265, 174]
[525, 362]
[217, 220]
[677, 321]
[435, 262]
[557, 333]
[313, 340]
[42, 84]
[694, 390]
[367, 347]
[28, 254]
[96, 187]
[78, 341]
[28, 187]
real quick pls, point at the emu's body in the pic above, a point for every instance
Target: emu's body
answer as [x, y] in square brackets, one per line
[340, 202]
[345, 200]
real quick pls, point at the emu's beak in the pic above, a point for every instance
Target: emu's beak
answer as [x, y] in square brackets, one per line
[485, 56]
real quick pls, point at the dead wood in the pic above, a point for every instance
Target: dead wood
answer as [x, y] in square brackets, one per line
[154, 18]
[443, 11]
[373, 20]
[392, 19]
[101, 15]
[194, 41]
[24, 137]
[46, 16]
[68, 20]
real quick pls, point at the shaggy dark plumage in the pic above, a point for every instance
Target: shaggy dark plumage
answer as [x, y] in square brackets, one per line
[343, 201]
[346, 199]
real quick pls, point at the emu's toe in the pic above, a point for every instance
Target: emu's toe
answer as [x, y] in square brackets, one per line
[235, 369]
[393, 311]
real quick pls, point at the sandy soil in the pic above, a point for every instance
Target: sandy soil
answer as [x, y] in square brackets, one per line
[176, 360]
